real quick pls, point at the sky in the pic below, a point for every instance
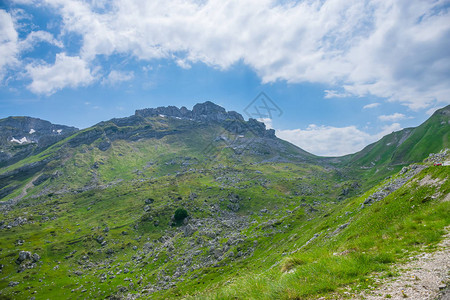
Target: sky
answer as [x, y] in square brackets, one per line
[340, 73]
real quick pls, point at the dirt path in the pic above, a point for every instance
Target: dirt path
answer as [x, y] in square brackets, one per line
[25, 189]
[426, 276]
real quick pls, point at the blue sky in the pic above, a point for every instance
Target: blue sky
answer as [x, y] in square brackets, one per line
[344, 73]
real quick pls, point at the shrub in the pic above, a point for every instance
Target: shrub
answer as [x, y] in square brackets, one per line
[180, 214]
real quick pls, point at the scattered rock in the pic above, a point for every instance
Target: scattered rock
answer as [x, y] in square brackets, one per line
[13, 283]
[23, 255]
[189, 230]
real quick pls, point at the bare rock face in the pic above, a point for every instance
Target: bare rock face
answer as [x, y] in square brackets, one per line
[206, 112]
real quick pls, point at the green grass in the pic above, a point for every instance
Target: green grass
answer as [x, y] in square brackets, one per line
[376, 237]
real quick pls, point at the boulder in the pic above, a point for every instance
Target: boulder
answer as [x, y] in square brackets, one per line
[23, 255]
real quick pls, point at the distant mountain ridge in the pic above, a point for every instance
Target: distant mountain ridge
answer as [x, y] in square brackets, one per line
[24, 136]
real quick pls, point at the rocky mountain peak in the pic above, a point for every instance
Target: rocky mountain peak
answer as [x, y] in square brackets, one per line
[206, 112]
[207, 108]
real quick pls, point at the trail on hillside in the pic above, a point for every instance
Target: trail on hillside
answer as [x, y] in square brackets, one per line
[425, 276]
[25, 190]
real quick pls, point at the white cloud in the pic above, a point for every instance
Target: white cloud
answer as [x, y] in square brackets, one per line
[8, 43]
[394, 49]
[397, 49]
[392, 118]
[36, 37]
[333, 141]
[115, 77]
[67, 71]
[371, 105]
[336, 94]
[183, 64]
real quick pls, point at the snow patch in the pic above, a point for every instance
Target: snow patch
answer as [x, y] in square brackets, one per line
[162, 116]
[32, 131]
[21, 141]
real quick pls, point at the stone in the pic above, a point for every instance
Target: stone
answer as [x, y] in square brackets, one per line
[35, 257]
[23, 255]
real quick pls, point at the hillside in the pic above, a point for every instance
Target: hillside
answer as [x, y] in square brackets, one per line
[397, 149]
[99, 213]
[408, 145]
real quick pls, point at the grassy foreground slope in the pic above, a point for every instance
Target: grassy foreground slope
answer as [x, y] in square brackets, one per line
[348, 242]
[120, 240]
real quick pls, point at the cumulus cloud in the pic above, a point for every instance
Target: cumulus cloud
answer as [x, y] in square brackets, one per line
[371, 105]
[115, 77]
[36, 37]
[394, 49]
[392, 118]
[9, 48]
[333, 141]
[67, 71]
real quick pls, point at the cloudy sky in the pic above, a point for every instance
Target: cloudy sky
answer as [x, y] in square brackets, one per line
[343, 73]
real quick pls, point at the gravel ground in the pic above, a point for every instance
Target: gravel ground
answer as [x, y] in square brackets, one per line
[425, 277]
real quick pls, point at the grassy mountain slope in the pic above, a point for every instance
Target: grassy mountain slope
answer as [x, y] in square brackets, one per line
[351, 242]
[260, 249]
[265, 217]
[395, 150]
[408, 145]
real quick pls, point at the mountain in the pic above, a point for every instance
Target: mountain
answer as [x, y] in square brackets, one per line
[408, 145]
[397, 149]
[203, 133]
[24, 136]
[202, 204]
